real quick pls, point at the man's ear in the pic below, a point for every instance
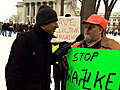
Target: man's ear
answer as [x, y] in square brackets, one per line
[43, 27]
[101, 31]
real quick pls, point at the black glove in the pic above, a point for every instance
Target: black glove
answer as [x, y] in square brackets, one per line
[62, 50]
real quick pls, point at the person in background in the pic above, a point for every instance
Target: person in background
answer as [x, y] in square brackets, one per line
[31, 26]
[67, 15]
[20, 29]
[14, 28]
[95, 26]
[4, 29]
[10, 29]
[31, 56]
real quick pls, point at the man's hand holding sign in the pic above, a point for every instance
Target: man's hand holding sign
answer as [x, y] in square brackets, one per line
[96, 68]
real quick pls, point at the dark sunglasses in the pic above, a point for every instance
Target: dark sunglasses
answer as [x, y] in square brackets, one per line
[89, 27]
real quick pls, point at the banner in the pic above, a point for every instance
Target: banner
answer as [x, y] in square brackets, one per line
[69, 29]
[93, 69]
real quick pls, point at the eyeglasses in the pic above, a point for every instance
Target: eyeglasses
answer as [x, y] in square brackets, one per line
[56, 24]
[89, 27]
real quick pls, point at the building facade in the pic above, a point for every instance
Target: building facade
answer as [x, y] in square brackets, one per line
[113, 21]
[27, 10]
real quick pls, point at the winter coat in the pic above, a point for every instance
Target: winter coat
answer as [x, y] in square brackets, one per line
[10, 28]
[28, 67]
[4, 26]
[106, 43]
[20, 29]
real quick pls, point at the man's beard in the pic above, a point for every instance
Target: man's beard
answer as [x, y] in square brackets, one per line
[91, 38]
[88, 39]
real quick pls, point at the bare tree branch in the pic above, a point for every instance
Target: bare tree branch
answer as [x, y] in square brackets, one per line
[112, 5]
[92, 6]
[108, 9]
[98, 5]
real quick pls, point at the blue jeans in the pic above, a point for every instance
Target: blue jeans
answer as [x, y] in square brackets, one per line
[10, 33]
[4, 32]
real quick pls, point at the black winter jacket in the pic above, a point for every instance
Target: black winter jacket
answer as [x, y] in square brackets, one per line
[4, 27]
[28, 67]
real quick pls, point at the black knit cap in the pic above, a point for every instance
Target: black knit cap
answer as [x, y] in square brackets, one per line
[46, 15]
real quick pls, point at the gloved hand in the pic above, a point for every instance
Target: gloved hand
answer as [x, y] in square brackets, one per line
[62, 50]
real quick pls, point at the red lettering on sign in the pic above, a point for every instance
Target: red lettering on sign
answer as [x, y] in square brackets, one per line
[71, 22]
[67, 30]
[64, 37]
[66, 22]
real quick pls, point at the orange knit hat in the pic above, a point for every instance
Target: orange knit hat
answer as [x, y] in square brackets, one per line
[96, 19]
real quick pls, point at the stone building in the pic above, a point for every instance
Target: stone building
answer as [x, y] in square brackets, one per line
[113, 21]
[27, 10]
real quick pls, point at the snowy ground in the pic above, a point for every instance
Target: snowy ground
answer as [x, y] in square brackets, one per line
[116, 38]
[5, 46]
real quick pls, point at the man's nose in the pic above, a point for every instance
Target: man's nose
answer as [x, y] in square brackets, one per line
[57, 26]
[86, 29]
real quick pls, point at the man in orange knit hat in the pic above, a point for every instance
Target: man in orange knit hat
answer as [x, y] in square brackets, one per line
[94, 26]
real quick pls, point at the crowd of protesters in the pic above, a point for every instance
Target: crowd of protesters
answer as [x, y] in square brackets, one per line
[9, 28]
[113, 32]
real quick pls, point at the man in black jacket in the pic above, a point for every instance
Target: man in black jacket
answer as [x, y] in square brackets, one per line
[28, 67]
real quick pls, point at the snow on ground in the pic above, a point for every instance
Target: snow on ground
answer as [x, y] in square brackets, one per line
[5, 46]
[116, 38]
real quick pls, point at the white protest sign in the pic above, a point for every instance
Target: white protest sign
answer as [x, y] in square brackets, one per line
[69, 29]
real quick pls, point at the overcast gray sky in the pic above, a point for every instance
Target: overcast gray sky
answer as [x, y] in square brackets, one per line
[8, 8]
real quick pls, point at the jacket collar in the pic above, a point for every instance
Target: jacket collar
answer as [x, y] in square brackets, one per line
[42, 34]
[104, 42]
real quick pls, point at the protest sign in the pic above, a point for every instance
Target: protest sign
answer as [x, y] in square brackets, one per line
[69, 29]
[93, 69]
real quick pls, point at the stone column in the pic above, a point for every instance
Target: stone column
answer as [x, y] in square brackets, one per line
[38, 5]
[27, 12]
[24, 12]
[30, 11]
[36, 10]
[54, 5]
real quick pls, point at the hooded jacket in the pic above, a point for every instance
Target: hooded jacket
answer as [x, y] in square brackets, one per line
[28, 67]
